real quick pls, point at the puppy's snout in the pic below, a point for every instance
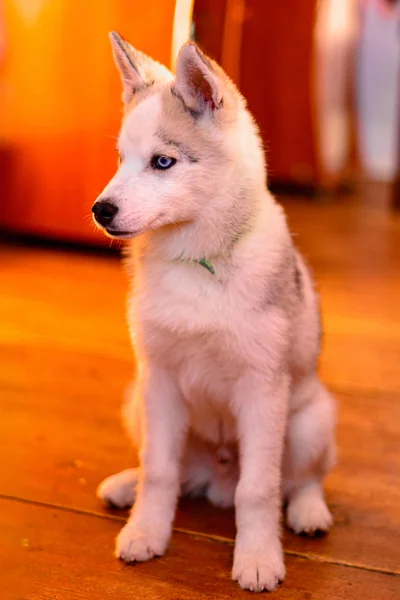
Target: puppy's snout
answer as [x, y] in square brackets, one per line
[104, 211]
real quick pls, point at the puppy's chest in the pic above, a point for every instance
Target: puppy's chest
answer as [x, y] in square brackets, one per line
[202, 349]
[188, 300]
[206, 366]
[190, 322]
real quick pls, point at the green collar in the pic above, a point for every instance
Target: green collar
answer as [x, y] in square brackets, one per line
[203, 262]
[207, 265]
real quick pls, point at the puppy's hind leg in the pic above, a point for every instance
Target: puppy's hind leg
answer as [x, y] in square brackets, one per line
[120, 489]
[309, 455]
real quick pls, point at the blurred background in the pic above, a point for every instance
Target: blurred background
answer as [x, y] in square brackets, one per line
[320, 76]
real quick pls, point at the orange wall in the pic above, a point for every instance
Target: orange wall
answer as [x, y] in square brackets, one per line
[60, 105]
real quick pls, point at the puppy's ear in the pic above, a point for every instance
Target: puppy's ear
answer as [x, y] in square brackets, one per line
[199, 81]
[137, 70]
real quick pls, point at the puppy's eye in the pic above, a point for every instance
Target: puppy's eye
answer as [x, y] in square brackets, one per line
[162, 162]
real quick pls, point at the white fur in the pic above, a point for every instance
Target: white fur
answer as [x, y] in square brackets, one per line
[226, 362]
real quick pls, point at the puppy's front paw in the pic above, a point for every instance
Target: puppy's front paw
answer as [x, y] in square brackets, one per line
[138, 545]
[259, 570]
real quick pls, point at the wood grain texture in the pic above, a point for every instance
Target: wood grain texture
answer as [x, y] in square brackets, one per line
[77, 564]
[66, 359]
[65, 469]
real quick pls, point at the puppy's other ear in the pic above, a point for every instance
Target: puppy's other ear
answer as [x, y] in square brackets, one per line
[137, 70]
[199, 81]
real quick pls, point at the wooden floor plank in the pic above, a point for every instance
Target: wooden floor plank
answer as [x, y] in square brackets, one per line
[77, 564]
[66, 440]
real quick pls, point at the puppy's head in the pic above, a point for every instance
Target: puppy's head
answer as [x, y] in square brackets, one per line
[187, 146]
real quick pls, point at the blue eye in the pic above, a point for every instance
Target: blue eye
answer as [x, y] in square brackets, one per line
[161, 162]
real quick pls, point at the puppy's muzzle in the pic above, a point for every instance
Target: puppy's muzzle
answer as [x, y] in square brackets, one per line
[104, 212]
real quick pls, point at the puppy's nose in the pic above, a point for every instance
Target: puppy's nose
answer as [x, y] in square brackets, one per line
[104, 211]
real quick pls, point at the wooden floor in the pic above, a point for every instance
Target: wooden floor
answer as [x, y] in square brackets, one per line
[64, 361]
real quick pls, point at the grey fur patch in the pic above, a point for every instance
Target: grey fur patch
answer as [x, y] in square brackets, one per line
[298, 278]
[284, 285]
[180, 146]
[188, 110]
[146, 85]
[124, 47]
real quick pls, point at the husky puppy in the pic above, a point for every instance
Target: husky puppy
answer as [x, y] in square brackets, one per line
[224, 320]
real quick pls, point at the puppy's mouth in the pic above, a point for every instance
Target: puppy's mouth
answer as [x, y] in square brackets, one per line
[122, 235]
[156, 223]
